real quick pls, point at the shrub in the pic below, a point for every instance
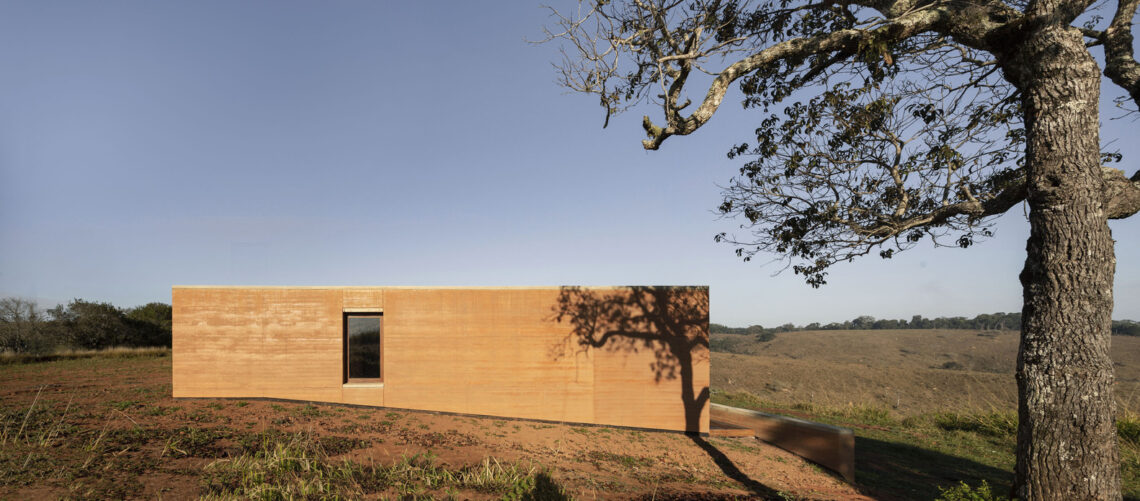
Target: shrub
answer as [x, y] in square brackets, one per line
[963, 492]
[764, 337]
[84, 325]
[729, 345]
[994, 424]
[151, 323]
[23, 328]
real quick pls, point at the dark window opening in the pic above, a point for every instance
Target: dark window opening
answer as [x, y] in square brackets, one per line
[362, 346]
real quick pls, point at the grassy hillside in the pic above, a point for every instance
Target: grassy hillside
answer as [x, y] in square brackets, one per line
[930, 408]
[907, 371]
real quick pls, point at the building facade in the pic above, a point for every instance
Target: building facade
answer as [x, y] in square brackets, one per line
[624, 356]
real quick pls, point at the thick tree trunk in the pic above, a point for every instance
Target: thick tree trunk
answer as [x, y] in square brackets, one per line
[1066, 440]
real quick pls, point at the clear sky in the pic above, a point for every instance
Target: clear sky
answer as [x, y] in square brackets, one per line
[145, 144]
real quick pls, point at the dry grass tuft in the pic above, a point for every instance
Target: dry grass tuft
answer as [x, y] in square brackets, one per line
[70, 354]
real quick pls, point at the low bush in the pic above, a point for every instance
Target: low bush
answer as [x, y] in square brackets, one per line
[963, 492]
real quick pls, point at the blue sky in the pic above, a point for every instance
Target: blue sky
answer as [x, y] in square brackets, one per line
[145, 144]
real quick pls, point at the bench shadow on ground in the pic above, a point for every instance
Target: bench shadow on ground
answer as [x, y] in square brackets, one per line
[897, 471]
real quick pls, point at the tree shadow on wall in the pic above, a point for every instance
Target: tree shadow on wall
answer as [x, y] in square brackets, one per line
[671, 322]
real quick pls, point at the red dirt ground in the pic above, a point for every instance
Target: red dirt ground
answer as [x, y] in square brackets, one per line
[105, 428]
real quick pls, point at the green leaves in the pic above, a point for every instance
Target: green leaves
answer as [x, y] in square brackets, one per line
[876, 164]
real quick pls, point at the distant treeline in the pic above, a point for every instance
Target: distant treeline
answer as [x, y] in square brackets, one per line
[985, 321]
[85, 325]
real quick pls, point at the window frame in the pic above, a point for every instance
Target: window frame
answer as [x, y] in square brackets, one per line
[345, 379]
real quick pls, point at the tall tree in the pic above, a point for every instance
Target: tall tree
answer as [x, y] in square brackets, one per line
[21, 326]
[916, 119]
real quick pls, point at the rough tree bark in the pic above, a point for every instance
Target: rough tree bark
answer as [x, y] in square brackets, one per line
[1067, 448]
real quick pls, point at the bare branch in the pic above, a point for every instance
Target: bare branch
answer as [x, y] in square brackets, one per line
[1120, 62]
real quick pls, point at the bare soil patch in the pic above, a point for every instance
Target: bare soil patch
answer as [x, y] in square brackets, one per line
[103, 428]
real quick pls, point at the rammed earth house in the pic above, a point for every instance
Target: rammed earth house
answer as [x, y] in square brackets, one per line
[625, 356]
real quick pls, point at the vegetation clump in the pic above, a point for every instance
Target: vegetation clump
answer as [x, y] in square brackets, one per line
[964, 492]
[1128, 428]
[299, 467]
[992, 424]
[80, 326]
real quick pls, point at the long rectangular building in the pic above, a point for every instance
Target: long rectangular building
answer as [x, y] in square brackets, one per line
[625, 356]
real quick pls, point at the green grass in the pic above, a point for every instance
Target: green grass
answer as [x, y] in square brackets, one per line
[966, 492]
[582, 430]
[43, 424]
[1128, 428]
[312, 411]
[124, 405]
[927, 456]
[299, 467]
[862, 414]
[621, 459]
[991, 424]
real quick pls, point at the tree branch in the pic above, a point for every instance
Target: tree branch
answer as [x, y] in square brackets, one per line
[1121, 200]
[1121, 194]
[974, 209]
[1120, 63]
[974, 26]
[842, 40]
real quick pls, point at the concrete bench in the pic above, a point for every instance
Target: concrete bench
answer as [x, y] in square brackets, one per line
[829, 446]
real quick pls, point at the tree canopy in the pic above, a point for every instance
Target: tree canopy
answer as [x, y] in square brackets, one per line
[882, 123]
[909, 128]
